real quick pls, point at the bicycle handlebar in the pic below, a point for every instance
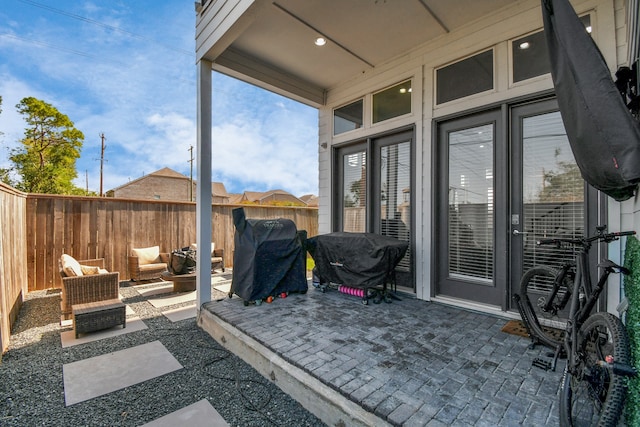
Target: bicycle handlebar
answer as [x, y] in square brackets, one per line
[586, 241]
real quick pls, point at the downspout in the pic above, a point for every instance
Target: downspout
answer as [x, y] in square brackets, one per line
[633, 31]
[203, 177]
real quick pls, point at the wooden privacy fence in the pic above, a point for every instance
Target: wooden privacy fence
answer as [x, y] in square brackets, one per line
[91, 227]
[13, 262]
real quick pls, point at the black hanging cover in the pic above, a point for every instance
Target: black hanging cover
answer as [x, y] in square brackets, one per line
[604, 136]
[356, 259]
[269, 257]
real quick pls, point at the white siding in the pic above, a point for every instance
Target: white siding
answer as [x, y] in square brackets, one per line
[215, 22]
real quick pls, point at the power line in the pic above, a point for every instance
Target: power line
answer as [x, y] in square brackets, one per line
[191, 159]
[102, 138]
[81, 53]
[102, 60]
[107, 26]
[51, 46]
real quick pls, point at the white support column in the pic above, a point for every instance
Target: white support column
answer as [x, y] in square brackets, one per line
[203, 176]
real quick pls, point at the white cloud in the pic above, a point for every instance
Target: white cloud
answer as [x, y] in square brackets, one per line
[140, 91]
[12, 124]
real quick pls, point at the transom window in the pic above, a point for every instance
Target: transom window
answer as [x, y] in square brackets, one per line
[463, 78]
[392, 102]
[531, 56]
[348, 118]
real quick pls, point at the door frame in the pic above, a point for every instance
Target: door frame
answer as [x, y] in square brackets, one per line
[496, 115]
[592, 198]
[595, 202]
[369, 144]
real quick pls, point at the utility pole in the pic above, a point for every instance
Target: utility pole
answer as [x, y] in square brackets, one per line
[191, 174]
[86, 181]
[102, 162]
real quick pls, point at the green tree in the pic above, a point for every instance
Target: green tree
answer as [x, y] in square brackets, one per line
[46, 162]
[4, 173]
[562, 185]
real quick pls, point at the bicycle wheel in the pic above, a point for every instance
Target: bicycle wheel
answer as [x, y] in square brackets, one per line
[539, 285]
[592, 395]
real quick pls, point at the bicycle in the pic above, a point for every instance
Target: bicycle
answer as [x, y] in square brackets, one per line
[595, 344]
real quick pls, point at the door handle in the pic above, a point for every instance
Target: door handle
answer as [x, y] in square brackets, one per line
[518, 232]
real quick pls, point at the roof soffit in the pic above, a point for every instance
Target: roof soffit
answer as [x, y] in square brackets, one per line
[276, 49]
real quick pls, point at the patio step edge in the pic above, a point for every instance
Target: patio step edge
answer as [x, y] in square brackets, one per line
[325, 403]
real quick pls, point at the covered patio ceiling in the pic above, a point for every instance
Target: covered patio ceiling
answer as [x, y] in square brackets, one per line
[271, 44]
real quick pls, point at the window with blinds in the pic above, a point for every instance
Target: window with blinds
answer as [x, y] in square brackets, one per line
[395, 194]
[355, 192]
[471, 203]
[553, 190]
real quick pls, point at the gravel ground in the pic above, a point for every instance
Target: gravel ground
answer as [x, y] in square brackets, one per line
[31, 383]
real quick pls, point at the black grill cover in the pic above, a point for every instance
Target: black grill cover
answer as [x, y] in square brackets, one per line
[269, 257]
[356, 259]
[604, 136]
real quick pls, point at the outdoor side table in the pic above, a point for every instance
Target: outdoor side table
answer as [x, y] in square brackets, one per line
[95, 316]
[181, 282]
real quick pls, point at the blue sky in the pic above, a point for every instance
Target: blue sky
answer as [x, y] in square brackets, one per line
[127, 69]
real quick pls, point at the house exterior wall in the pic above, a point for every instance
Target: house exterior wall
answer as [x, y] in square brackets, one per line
[523, 17]
[157, 188]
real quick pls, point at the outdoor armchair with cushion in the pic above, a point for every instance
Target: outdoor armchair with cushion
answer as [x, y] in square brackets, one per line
[85, 281]
[217, 256]
[147, 263]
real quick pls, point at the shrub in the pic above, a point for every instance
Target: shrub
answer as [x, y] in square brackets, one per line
[632, 292]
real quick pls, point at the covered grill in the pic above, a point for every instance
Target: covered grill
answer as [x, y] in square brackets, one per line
[357, 260]
[269, 258]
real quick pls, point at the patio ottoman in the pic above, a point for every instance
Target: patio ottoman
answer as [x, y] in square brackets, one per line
[95, 316]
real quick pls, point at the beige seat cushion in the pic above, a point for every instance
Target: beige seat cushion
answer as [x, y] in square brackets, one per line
[70, 266]
[153, 267]
[150, 255]
[87, 269]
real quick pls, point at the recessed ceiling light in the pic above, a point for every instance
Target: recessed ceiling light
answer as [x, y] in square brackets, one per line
[524, 45]
[320, 41]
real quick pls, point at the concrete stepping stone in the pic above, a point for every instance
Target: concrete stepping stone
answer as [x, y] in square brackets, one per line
[182, 313]
[199, 414]
[96, 376]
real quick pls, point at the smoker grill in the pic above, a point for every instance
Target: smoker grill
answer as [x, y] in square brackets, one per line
[357, 260]
[269, 258]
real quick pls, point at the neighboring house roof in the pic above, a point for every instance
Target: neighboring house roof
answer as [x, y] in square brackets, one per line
[271, 197]
[235, 198]
[251, 196]
[144, 188]
[169, 173]
[218, 190]
[310, 199]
